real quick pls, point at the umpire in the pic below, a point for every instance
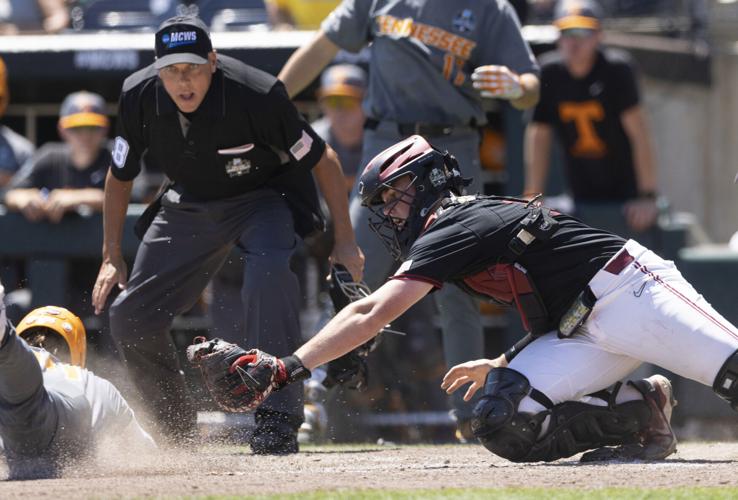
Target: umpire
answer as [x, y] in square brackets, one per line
[239, 157]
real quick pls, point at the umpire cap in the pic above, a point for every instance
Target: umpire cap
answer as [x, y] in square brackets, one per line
[182, 39]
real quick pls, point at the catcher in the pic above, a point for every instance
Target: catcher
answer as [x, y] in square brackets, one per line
[595, 305]
[51, 408]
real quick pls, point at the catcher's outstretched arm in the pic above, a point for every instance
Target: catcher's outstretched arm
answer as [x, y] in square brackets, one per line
[361, 320]
[239, 380]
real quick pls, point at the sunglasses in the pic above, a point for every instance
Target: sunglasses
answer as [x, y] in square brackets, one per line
[340, 102]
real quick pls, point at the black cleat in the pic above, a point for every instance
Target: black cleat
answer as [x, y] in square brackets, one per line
[275, 433]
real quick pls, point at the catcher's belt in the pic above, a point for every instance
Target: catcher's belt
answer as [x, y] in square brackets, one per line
[580, 310]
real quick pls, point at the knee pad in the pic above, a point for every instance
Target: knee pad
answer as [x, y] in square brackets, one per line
[496, 421]
[726, 382]
[573, 427]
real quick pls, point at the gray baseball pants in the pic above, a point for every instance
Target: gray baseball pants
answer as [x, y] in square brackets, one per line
[40, 428]
[461, 325]
[182, 250]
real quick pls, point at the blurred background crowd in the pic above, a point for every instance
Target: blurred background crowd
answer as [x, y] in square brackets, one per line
[54, 153]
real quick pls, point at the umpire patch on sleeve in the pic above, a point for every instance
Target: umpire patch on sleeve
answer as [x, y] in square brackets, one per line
[302, 146]
[120, 152]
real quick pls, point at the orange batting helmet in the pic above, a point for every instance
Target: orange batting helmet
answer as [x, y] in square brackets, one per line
[61, 322]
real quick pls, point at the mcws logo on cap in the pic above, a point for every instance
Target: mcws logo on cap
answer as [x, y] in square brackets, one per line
[178, 38]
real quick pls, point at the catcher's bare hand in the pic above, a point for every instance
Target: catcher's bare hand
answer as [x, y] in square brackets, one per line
[497, 81]
[113, 270]
[472, 371]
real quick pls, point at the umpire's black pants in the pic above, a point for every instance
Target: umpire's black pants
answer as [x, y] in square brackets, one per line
[181, 251]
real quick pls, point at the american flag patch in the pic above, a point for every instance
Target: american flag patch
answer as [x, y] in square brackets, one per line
[302, 146]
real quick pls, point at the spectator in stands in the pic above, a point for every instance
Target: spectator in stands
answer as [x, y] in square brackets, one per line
[342, 125]
[590, 100]
[298, 14]
[64, 178]
[47, 16]
[14, 148]
[69, 176]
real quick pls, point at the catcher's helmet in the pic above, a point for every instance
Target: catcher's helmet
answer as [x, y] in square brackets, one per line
[44, 326]
[432, 173]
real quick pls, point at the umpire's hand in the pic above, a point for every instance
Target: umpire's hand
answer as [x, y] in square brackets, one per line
[350, 255]
[113, 270]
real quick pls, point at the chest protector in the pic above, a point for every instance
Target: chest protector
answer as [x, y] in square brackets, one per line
[507, 282]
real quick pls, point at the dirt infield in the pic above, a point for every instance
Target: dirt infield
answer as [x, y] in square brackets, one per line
[229, 470]
[233, 470]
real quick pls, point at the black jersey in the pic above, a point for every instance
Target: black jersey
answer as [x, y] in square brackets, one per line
[51, 168]
[586, 115]
[469, 238]
[245, 135]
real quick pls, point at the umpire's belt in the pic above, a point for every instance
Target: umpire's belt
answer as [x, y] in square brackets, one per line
[420, 128]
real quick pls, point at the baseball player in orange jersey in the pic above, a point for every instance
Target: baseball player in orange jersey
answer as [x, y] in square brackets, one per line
[52, 410]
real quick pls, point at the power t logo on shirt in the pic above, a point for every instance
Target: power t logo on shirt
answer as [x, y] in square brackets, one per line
[177, 38]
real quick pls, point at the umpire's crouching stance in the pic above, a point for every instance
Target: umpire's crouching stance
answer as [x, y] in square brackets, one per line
[596, 306]
[239, 157]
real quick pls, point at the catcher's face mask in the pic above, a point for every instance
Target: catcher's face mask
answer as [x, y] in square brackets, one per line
[401, 184]
[45, 323]
[389, 220]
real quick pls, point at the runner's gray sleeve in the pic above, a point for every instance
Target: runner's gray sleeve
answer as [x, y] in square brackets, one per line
[349, 25]
[20, 374]
[111, 415]
[505, 45]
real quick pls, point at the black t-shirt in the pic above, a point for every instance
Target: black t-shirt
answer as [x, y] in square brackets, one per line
[51, 168]
[586, 115]
[245, 135]
[471, 237]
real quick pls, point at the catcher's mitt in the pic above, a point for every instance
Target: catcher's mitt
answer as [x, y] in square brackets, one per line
[240, 380]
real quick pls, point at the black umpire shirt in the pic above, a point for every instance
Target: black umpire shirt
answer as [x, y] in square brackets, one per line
[470, 238]
[585, 113]
[245, 135]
